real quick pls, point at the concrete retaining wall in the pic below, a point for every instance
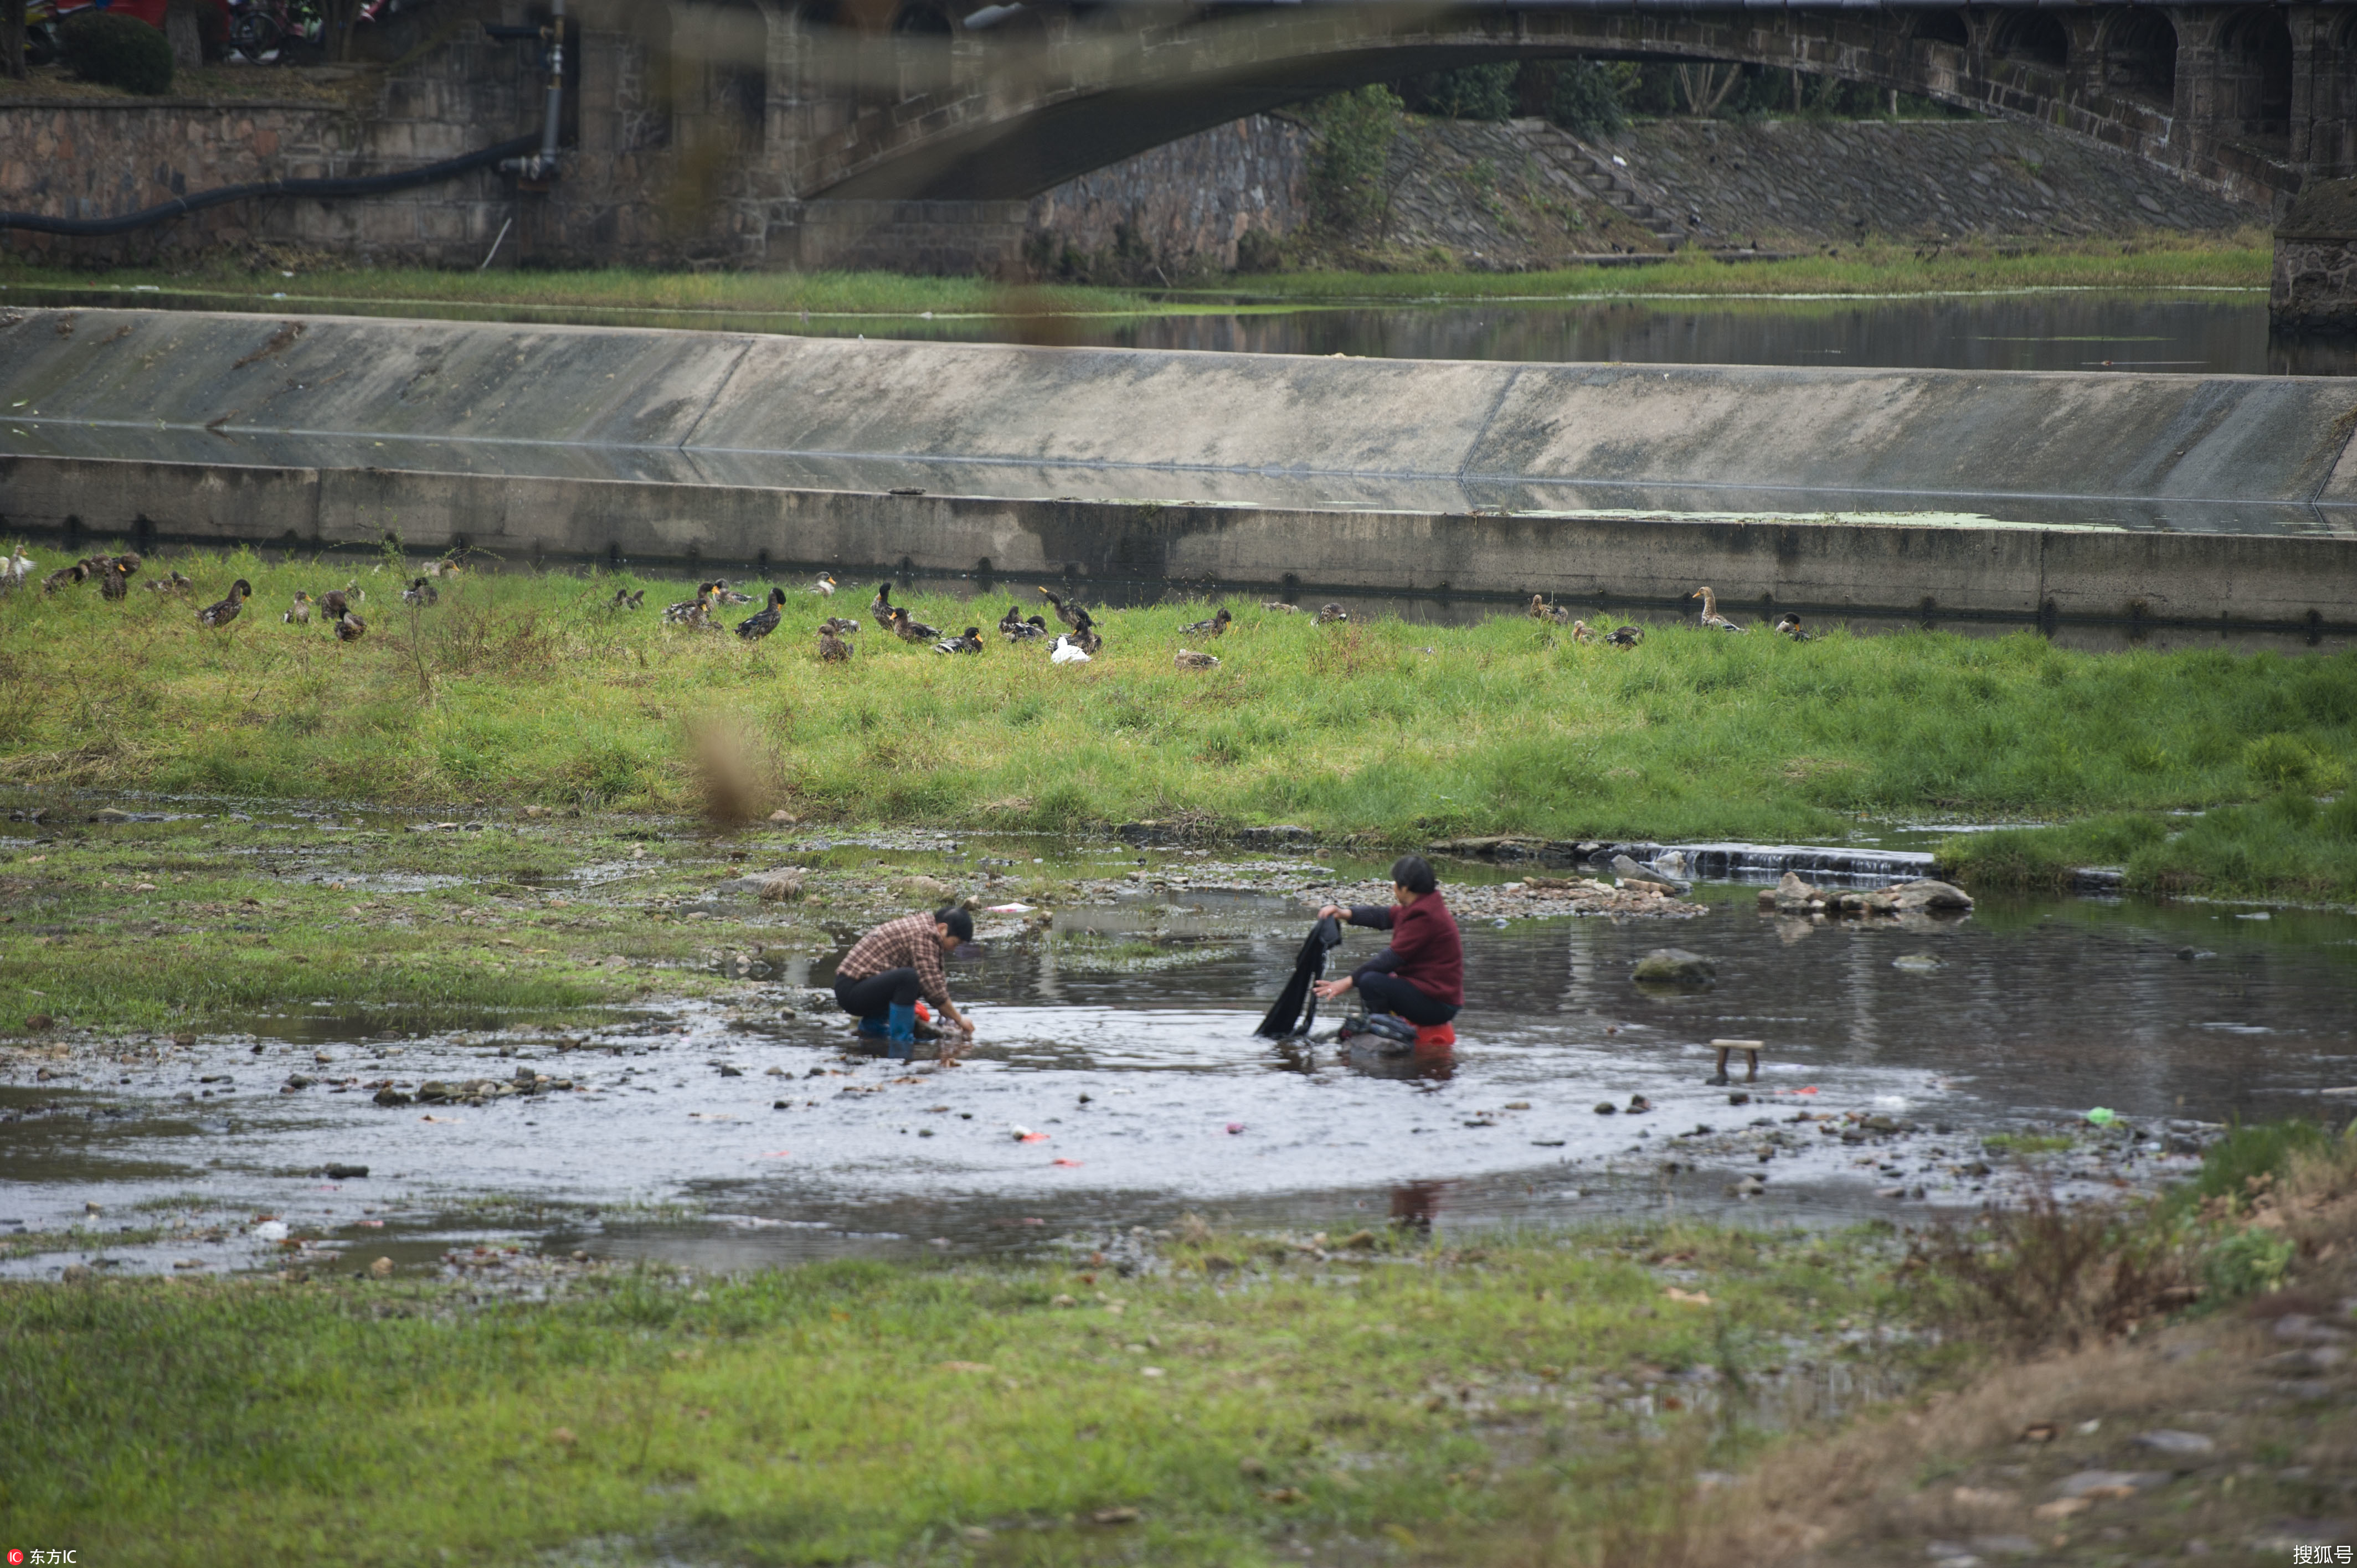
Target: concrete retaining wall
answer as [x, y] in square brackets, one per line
[1423, 477]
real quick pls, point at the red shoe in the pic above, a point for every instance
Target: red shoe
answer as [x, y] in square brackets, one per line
[1434, 1037]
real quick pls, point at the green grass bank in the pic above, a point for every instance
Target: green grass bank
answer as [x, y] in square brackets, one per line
[838, 301]
[1590, 1398]
[524, 689]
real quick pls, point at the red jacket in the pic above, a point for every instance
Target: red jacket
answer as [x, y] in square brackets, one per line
[1425, 950]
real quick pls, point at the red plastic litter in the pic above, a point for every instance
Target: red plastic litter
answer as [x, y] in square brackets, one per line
[1074, 1163]
[777, 1154]
[1431, 1036]
[1235, 1126]
[924, 1014]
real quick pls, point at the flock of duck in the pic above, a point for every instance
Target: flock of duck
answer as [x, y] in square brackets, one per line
[1081, 641]
[1788, 625]
[1078, 644]
[336, 609]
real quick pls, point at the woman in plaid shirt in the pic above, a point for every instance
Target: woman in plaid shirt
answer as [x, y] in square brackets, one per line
[885, 970]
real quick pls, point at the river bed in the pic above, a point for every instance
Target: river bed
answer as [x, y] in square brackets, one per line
[1117, 1082]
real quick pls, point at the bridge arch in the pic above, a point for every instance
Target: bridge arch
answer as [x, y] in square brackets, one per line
[2139, 53]
[1099, 89]
[2034, 37]
[2255, 50]
[1949, 27]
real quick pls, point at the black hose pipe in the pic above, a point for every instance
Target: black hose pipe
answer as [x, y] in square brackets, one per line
[321, 189]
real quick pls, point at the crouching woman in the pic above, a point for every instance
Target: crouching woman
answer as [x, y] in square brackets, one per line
[1421, 976]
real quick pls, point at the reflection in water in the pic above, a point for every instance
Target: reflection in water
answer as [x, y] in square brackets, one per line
[1156, 1098]
[2217, 334]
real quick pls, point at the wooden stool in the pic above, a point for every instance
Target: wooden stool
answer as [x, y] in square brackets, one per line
[1750, 1050]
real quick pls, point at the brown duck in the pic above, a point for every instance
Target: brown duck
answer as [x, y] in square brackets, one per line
[226, 611]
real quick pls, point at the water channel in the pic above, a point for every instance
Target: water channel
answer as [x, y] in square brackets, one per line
[729, 1136]
[2211, 332]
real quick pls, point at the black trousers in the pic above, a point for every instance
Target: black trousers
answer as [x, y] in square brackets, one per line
[1389, 994]
[876, 995]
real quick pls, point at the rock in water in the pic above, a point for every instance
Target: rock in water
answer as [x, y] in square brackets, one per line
[1676, 966]
[1930, 894]
[1794, 896]
[1630, 871]
[1914, 898]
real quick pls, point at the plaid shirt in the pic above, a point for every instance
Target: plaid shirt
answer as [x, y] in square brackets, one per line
[905, 943]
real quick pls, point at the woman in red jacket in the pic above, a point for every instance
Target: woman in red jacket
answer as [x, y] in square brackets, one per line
[1421, 976]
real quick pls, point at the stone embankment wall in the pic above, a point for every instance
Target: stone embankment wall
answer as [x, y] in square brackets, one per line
[642, 186]
[1191, 202]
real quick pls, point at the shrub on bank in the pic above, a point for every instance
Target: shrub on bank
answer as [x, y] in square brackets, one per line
[118, 51]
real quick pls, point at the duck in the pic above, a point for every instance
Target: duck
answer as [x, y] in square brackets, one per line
[967, 641]
[1216, 627]
[1071, 614]
[349, 628]
[1711, 619]
[1789, 625]
[722, 594]
[448, 566]
[621, 601]
[333, 604]
[420, 593]
[299, 613]
[1279, 606]
[224, 612]
[1188, 659]
[1582, 632]
[1624, 637]
[832, 650]
[178, 582]
[754, 627]
[696, 611]
[908, 628]
[1327, 614]
[1016, 627]
[1066, 651]
[116, 584]
[880, 607]
[841, 625]
[65, 577]
[1542, 610]
[825, 586]
[17, 567]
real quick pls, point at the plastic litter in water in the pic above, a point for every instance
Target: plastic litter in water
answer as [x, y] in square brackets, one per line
[2101, 1117]
[1235, 1126]
[1074, 1164]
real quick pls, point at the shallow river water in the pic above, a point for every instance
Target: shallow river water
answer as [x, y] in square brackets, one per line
[731, 1136]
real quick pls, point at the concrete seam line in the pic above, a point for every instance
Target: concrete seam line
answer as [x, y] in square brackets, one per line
[1473, 446]
[2315, 496]
[687, 439]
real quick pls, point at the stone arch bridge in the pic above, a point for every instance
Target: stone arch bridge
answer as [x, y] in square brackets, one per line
[937, 101]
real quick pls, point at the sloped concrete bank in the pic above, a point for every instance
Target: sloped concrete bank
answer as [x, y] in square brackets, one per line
[2185, 499]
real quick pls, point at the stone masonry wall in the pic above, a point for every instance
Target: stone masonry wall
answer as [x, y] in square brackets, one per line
[1184, 205]
[2314, 284]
